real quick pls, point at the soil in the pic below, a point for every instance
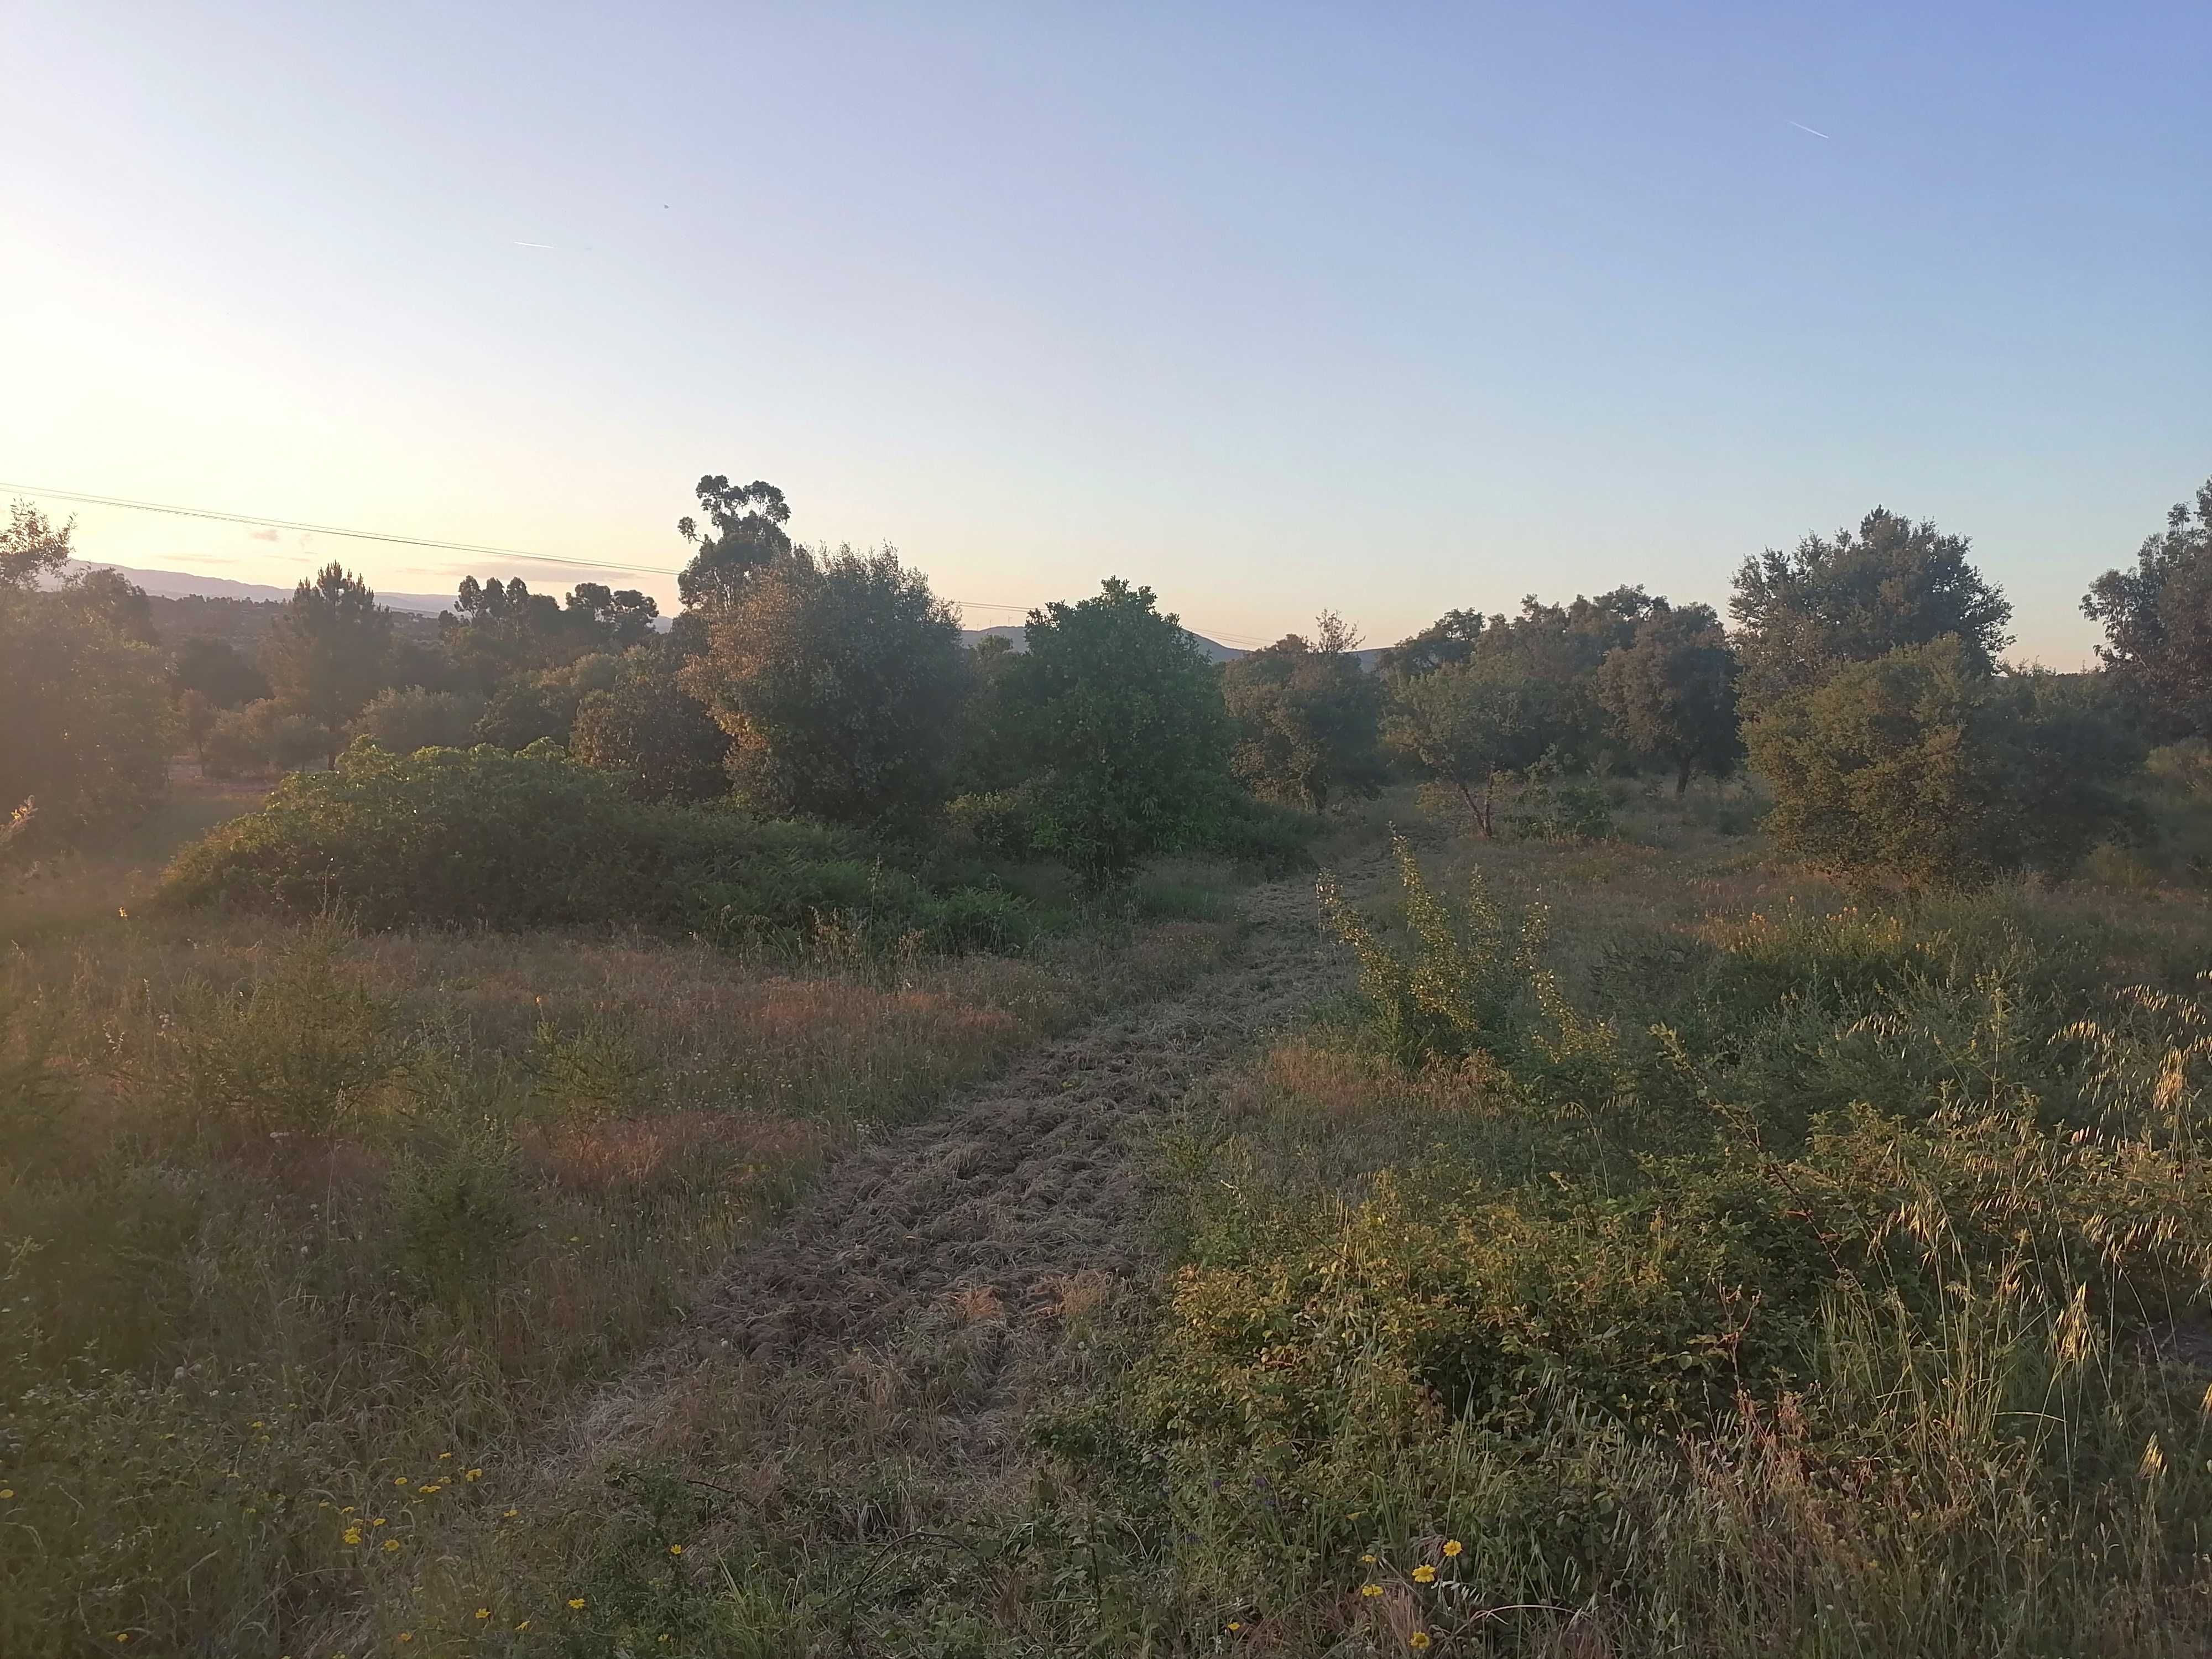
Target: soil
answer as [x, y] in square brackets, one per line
[978, 1233]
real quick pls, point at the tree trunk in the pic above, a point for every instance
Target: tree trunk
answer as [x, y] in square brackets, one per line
[1682, 781]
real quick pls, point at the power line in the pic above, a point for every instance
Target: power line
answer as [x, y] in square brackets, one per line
[84, 497]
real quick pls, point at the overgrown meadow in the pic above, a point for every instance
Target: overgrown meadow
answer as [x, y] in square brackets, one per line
[311, 1228]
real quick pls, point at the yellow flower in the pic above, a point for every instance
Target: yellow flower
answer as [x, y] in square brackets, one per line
[122, 1636]
[483, 1613]
[524, 1625]
[510, 1515]
[1425, 1574]
[378, 1522]
[389, 1545]
[1366, 1560]
[443, 1456]
[353, 1534]
[258, 1424]
[1370, 1590]
[7, 1491]
[406, 1635]
[1452, 1546]
[1235, 1626]
[676, 1549]
[473, 1474]
[399, 1481]
[1420, 1638]
[576, 1602]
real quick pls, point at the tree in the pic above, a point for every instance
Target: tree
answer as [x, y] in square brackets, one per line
[1116, 719]
[2158, 623]
[213, 669]
[1857, 598]
[1473, 721]
[327, 655]
[530, 707]
[1922, 766]
[32, 551]
[646, 726]
[1450, 639]
[404, 719]
[616, 618]
[117, 600]
[839, 679]
[88, 725]
[747, 536]
[1671, 691]
[1307, 717]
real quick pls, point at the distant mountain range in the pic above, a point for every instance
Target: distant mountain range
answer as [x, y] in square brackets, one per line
[185, 585]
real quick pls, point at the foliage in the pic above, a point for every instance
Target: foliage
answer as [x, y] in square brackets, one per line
[1469, 722]
[1920, 766]
[327, 655]
[213, 668]
[264, 737]
[1115, 717]
[88, 723]
[650, 732]
[2157, 619]
[543, 705]
[410, 718]
[839, 679]
[747, 539]
[1857, 598]
[1671, 691]
[1306, 718]
[480, 836]
[498, 631]
[32, 549]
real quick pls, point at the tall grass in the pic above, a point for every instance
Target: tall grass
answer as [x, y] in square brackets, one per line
[304, 1232]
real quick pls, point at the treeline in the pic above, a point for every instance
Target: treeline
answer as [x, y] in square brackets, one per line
[1861, 680]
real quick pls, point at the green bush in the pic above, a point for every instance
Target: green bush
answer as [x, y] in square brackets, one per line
[482, 836]
[1919, 766]
[406, 718]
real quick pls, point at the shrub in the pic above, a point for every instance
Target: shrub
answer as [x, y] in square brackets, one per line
[646, 729]
[1918, 766]
[1307, 717]
[263, 737]
[403, 719]
[479, 835]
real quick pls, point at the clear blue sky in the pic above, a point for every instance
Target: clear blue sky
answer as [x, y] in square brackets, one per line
[1385, 309]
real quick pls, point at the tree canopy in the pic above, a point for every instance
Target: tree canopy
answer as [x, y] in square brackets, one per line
[2157, 619]
[1306, 717]
[1671, 691]
[1803, 613]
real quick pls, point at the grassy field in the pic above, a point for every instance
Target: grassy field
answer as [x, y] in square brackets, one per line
[304, 1233]
[1580, 1248]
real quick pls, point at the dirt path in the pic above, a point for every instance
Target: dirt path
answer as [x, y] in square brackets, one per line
[956, 1245]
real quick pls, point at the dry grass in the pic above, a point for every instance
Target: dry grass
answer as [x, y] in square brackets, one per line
[511, 1166]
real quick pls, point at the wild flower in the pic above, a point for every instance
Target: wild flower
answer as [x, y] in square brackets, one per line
[576, 1603]
[1420, 1638]
[1370, 1590]
[1425, 1574]
[676, 1549]
[483, 1613]
[389, 1545]
[473, 1474]
[1452, 1546]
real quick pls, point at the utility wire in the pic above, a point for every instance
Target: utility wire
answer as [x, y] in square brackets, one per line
[400, 541]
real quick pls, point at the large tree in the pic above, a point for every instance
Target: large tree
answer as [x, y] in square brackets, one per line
[1116, 718]
[2158, 623]
[744, 535]
[1803, 613]
[1307, 717]
[839, 678]
[1671, 691]
[327, 655]
[213, 668]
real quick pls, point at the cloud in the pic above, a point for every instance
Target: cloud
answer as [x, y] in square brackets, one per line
[261, 535]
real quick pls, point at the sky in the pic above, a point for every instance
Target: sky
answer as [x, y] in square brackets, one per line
[1385, 309]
